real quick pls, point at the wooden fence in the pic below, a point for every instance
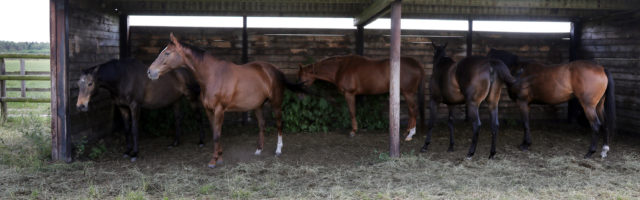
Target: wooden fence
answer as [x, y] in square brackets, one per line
[23, 75]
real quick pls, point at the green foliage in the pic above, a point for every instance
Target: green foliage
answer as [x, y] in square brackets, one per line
[97, 151]
[329, 111]
[161, 122]
[24, 47]
[25, 142]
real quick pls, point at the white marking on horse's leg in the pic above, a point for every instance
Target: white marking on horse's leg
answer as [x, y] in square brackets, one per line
[279, 148]
[258, 151]
[411, 133]
[605, 149]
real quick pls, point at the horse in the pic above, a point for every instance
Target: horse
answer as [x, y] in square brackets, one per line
[470, 81]
[227, 87]
[130, 91]
[358, 75]
[590, 83]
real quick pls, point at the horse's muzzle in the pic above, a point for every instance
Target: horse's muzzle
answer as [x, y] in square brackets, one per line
[82, 107]
[152, 74]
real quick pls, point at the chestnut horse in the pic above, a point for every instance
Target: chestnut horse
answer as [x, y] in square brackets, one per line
[471, 81]
[227, 87]
[589, 82]
[130, 90]
[358, 75]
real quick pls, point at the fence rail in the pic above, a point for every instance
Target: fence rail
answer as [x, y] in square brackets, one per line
[21, 76]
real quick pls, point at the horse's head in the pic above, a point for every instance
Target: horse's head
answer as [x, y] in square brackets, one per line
[306, 74]
[439, 51]
[170, 58]
[87, 86]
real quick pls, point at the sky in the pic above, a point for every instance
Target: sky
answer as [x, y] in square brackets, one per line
[24, 20]
[28, 21]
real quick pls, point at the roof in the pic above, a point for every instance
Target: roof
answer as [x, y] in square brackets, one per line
[450, 9]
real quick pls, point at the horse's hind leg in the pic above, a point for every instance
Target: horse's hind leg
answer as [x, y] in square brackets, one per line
[196, 106]
[433, 114]
[135, 128]
[177, 112]
[351, 102]
[472, 108]
[450, 124]
[277, 112]
[216, 119]
[260, 145]
[494, 127]
[524, 112]
[592, 116]
[413, 108]
[604, 129]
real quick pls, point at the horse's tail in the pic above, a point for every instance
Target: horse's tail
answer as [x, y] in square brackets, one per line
[503, 71]
[294, 87]
[610, 104]
[421, 100]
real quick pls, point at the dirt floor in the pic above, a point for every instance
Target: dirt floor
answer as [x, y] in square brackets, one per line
[332, 165]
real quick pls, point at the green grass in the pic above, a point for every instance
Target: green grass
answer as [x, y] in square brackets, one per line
[18, 108]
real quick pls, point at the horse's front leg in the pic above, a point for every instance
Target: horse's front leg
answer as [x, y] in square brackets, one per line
[135, 119]
[216, 118]
[433, 113]
[524, 111]
[451, 128]
[351, 102]
[126, 119]
[178, 116]
[472, 108]
[413, 108]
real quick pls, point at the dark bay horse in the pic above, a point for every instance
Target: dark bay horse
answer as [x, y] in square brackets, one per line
[358, 75]
[130, 90]
[227, 87]
[589, 82]
[471, 81]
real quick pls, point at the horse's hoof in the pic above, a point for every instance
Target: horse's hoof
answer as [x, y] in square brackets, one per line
[133, 159]
[450, 149]
[352, 134]
[604, 151]
[201, 145]
[219, 162]
[278, 154]
[468, 157]
[492, 155]
[258, 152]
[524, 147]
[408, 139]
[589, 154]
[423, 149]
[125, 155]
[211, 166]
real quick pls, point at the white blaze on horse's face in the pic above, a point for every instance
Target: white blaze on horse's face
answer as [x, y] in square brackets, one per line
[86, 87]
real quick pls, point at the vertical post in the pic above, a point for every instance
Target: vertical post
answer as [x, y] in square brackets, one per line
[3, 93]
[394, 83]
[360, 40]
[573, 107]
[124, 36]
[245, 58]
[470, 38]
[23, 90]
[60, 149]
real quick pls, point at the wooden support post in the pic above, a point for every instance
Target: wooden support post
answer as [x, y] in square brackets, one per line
[3, 93]
[573, 107]
[124, 36]
[470, 38]
[245, 59]
[23, 91]
[360, 40]
[394, 83]
[60, 148]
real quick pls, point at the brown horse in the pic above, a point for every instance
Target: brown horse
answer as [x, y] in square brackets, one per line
[130, 90]
[358, 75]
[471, 81]
[589, 82]
[227, 87]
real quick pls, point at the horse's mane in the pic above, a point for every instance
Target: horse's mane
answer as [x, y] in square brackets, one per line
[197, 52]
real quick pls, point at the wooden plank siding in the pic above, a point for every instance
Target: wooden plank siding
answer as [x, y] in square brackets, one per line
[286, 51]
[93, 38]
[614, 42]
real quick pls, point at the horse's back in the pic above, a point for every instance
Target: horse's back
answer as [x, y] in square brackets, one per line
[370, 76]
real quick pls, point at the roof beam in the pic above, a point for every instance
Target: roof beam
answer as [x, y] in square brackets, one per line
[376, 9]
[561, 4]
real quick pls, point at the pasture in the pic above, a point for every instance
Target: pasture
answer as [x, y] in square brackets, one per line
[21, 108]
[321, 166]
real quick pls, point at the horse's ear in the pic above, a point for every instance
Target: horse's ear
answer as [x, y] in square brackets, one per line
[174, 40]
[91, 70]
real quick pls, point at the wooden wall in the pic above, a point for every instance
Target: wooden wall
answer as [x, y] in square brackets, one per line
[93, 38]
[614, 42]
[287, 51]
